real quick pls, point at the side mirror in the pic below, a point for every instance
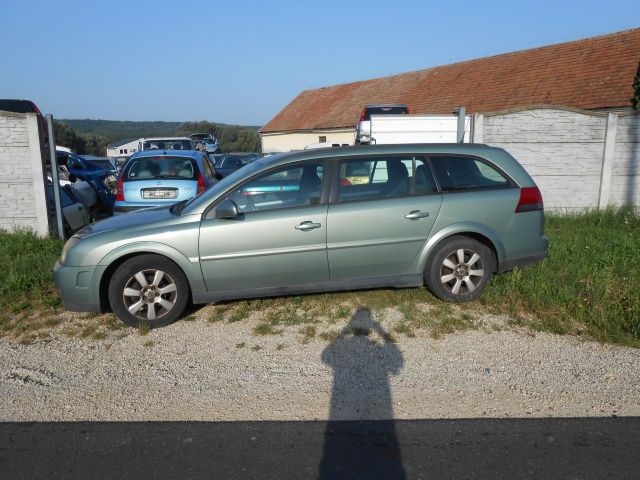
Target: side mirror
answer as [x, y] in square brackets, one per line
[227, 209]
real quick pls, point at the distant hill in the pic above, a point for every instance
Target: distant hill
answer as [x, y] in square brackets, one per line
[114, 130]
[92, 136]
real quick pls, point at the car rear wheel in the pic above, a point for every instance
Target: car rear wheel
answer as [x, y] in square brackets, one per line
[148, 290]
[459, 269]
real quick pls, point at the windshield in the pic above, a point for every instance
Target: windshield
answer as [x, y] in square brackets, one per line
[391, 110]
[228, 181]
[147, 168]
[168, 145]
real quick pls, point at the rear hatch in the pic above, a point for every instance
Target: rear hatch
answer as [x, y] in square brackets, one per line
[162, 179]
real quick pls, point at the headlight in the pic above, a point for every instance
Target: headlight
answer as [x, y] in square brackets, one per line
[68, 246]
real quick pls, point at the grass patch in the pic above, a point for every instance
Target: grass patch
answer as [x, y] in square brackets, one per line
[265, 329]
[588, 283]
[308, 333]
[586, 286]
[144, 328]
[26, 277]
[329, 336]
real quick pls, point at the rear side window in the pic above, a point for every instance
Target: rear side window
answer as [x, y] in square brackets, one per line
[378, 178]
[147, 168]
[466, 173]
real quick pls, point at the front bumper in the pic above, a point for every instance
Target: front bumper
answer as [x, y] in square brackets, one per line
[79, 287]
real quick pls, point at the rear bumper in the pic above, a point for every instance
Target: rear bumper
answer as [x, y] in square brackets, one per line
[78, 287]
[540, 255]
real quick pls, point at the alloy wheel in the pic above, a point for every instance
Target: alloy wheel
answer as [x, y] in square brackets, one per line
[150, 294]
[462, 271]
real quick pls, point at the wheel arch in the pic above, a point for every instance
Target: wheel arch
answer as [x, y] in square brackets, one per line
[479, 232]
[117, 257]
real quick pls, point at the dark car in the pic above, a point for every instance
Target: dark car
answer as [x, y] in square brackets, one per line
[74, 166]
[230, 162]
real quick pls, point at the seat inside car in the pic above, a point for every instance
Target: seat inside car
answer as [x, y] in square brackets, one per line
[398, 178]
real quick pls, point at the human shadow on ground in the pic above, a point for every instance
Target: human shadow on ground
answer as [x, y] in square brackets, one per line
[362, 358]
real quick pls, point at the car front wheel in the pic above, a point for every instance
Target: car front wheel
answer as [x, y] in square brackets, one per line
[148, 290]
[459, 269]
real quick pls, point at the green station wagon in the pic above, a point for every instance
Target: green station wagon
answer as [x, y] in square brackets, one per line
[446, 215]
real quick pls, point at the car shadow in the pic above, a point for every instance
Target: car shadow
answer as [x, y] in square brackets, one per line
[362, 358]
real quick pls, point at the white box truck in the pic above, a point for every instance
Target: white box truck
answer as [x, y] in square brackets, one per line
[402, 129]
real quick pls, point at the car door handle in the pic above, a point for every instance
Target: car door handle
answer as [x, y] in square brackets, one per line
[304, 226]
[416, 214]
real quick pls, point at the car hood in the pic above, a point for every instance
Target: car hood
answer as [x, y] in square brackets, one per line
[137, 218]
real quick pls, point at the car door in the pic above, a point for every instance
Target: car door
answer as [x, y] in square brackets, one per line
[381, 213]
[278, 238]
[73, 211]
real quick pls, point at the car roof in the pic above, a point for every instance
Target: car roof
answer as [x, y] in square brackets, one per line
[157, 152]
[165, 138]
[357, 150]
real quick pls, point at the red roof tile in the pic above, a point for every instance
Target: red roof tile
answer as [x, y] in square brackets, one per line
[593, 73]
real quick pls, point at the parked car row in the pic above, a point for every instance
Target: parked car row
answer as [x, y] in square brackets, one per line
[165, 171]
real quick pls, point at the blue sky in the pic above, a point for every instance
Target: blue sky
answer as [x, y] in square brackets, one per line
[242, 61]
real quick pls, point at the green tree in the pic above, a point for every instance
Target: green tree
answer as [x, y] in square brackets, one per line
[636, 90]
[82, 144]
[231, 138]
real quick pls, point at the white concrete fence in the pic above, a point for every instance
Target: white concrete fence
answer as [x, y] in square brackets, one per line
[22, 192]
[579, 159]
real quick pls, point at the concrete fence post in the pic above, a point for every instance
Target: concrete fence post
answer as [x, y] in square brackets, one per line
[477, 135]
[41, 226]
[608, 154]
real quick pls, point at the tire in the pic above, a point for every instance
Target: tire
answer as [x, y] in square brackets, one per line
[454, 273]
[158, 303]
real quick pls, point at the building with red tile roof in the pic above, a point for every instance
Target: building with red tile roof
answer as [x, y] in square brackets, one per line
[592, 74]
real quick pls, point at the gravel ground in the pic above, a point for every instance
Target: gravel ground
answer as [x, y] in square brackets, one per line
[223, 371]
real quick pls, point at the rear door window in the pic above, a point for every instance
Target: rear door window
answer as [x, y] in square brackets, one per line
[378, 178]
[466, 173]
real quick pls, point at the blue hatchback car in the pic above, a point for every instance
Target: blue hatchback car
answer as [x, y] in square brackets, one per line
[153, 178]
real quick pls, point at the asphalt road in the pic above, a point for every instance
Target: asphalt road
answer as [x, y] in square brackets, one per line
[580, 448]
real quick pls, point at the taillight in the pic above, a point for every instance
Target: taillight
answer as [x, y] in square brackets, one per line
[363, 114]
[530, 200]
[201, 185]
[345, 182]
[119, 190]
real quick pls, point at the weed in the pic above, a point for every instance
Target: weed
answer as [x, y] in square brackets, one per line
[88, 331]
[143, 328]
[240, 345]
[149, 343]
[265, 329]
[329, 336]
[280, 346]
[240, 312]
[255, 348]
[308, 331]
[100, 335]
[190, 318]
